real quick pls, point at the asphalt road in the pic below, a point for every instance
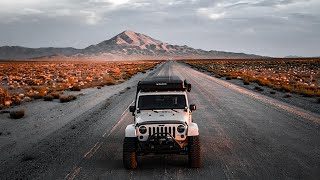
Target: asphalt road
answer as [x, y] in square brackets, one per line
[244, 135]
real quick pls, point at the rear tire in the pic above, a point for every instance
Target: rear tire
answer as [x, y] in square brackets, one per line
[129, 153]
[194, 152]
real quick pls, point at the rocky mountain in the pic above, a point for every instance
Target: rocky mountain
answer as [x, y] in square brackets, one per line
[127, 43]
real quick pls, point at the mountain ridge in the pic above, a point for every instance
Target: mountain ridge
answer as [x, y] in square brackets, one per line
[124, 44]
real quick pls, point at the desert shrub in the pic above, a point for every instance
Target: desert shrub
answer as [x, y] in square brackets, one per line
[263, 82]
[258, 88]
[126, 77]
[16, 100]
[4, 96]
[37, 96]
[287, 88]
[68, 98]
[27, 99]
[248, 78]
[109, 83]
[75, 88]
[48, 98]
[55, 95]
[287, 95]
[277, 88]
[41, 89]
[17, 114]
[307, 92]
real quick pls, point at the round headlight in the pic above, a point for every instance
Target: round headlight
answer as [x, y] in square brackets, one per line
[142, 129]
[181, 128]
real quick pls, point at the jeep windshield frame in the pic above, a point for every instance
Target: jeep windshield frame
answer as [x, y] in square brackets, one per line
[162, 101]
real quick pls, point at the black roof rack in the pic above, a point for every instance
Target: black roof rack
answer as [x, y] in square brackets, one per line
[163, 83]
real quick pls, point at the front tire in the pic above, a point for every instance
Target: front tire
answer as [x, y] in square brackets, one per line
[129, 153]
[194, 152]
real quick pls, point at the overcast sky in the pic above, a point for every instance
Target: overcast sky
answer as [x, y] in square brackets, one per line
[264, 27]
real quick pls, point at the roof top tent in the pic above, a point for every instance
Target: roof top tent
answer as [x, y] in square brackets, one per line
[163, 83]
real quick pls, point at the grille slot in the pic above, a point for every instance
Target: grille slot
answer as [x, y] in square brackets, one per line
[162, 131]
[174, 132]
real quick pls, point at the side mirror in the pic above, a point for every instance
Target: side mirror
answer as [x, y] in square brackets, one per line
[193, 107]
[132, 109]
[189, 87]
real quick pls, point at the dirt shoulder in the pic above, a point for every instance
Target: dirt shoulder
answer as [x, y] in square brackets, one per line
[45, 117]
[307, 103]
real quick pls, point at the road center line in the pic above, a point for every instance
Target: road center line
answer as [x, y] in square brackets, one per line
[73, 174]
[97, 145]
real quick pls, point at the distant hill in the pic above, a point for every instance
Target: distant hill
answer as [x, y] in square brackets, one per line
[292, 56]
[125, 44]
[17, 52]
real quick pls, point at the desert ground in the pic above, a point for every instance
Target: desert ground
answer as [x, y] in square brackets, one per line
[294, 81]
[245, 134]
[25, 81]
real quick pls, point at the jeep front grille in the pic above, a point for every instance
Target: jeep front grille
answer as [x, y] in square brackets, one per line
[162, 131]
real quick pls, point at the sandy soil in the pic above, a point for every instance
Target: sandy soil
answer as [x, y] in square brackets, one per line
[244, 135]
[43, 118]
[307, 103]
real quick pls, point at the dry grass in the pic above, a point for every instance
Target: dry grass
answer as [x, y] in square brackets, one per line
[294, 76]
[4, 97]
[39, 79]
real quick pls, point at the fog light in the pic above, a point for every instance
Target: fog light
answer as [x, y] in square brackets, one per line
[142, 129]
[181, 128]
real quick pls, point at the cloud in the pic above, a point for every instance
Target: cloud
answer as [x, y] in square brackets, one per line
[91, 18]
[232, 25]
[211, 13]
[110, 3]
[30, 11]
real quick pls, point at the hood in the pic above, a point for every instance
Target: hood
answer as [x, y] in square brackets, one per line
[162, 115]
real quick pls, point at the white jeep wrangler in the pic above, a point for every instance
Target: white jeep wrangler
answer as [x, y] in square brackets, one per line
[162, 122]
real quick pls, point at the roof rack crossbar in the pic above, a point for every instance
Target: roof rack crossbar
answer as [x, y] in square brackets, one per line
[163, 83]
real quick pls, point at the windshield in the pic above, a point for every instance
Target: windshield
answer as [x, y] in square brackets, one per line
[149, 102]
